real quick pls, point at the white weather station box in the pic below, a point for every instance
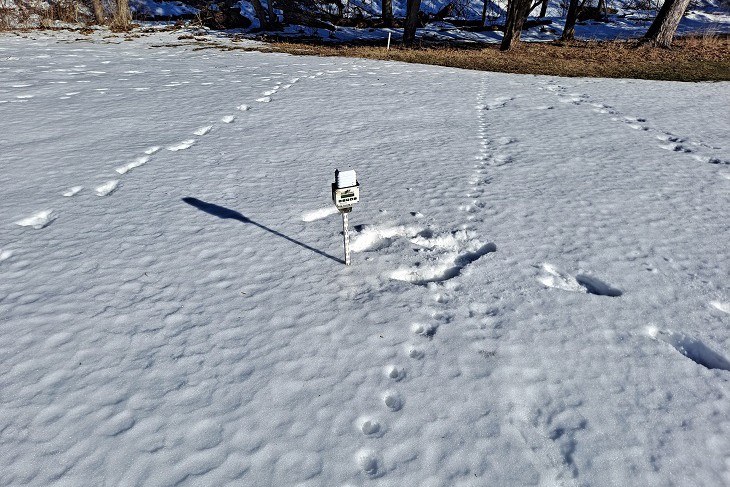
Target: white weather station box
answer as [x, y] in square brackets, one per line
[345, 190]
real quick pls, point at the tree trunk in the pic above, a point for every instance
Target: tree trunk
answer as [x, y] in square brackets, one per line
[484, 12]
[98, 12]
[569, 29]
[387, 7]
[123, 16]
[543, 9]
[409, 29]
[517, 11]
[261, 14]
[661, 31]
[272, 15]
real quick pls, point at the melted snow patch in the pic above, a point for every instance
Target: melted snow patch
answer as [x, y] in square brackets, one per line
[38, 220]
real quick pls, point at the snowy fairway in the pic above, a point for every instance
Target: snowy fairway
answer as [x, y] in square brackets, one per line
[539, 292]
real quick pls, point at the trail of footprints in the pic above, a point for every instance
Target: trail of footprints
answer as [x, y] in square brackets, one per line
[492, 152]
[665, 140]
[43, 218]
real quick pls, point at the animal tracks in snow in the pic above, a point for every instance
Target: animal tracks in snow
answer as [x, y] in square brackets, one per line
[667, 140]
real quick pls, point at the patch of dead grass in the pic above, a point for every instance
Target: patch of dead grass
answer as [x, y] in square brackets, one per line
[697, 58]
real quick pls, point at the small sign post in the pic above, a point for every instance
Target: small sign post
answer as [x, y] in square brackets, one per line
[345, 193]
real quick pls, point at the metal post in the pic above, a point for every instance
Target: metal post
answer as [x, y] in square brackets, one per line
[389, 41]
[346, 237]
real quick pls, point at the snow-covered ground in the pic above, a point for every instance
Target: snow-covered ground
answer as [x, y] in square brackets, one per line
[538, 296]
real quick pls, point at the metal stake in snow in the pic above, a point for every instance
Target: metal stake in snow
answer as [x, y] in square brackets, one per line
[345, 193]
[389, 41]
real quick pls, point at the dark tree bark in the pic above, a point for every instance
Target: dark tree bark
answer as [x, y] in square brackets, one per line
[262, 14]
[409, 29]
[270, 10]
[661, 31]
[99, 16]
[543, 9]
[387, 7]
[517, 11]
[569, 29]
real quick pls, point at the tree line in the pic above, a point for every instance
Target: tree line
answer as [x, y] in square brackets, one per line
[274, 14]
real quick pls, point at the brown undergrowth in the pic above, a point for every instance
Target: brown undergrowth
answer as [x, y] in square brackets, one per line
[696, 58]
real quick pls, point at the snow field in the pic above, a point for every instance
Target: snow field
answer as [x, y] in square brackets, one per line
[538, 293]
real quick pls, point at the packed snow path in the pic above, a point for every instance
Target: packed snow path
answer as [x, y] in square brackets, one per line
[539, 293]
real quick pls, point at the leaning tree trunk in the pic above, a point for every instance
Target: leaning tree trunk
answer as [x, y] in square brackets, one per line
[409, 29]
[661, 31]
[543, 9]
[99, 16]
[387, 7]
[517, 11]
[569, 29]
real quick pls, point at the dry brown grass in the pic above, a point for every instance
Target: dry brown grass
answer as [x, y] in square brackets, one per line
[697, 58]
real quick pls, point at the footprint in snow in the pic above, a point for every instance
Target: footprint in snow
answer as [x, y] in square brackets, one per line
[425, 330]
[582, 283]
[185, 144]
[203, 130]
[228, 119]
[152, 149]
[370, 427]
[415, 353]
[72, 191]
[140, 161]
[264, 99]
[394, 372]
[446, 268]
[692, 348]
[243, 108]
[38, 220]
[370, 463]
[392, 401]
[107, 188]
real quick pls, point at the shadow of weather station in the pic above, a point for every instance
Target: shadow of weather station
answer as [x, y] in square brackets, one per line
[228, 214]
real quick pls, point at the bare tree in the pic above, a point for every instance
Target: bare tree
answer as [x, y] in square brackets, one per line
[387, 7]
[661, 31]
[517, 11]
[409, 29]
[123, 16]
[543, 8]
[99, 16]
[262, 14]
[569, 29]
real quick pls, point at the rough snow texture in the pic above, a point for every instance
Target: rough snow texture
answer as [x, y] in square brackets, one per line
[538, 296]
